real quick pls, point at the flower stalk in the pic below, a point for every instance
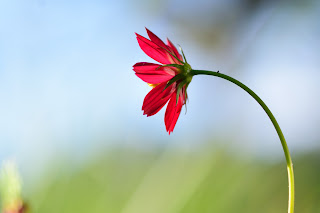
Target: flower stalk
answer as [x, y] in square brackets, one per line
[274, 122]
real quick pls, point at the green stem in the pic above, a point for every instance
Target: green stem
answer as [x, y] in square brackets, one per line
[274, 122]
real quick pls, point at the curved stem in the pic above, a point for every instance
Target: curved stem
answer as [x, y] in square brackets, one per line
[274, 122]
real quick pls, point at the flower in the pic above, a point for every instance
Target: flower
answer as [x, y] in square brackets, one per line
[169, 79]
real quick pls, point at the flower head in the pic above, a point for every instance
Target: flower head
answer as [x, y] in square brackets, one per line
[169, 79]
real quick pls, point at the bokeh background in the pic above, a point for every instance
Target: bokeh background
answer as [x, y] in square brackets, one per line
[70, 105]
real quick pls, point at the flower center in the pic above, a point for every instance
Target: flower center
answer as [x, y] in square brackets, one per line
[153, 85]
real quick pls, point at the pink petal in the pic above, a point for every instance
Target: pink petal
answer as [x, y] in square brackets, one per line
[155, 39]
[161, 44]
[152, 74]
[156, 99]
[174, 49]
[146, 66]
[153, 50]
[154, 78]
[173, 112]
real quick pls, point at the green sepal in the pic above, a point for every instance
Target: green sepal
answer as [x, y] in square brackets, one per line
[173, 55]
[179, 89]
[171, 65]
[185, 94]
[174, 79]
[184, 57]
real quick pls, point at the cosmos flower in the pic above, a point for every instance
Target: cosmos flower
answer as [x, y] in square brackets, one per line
[169, 79]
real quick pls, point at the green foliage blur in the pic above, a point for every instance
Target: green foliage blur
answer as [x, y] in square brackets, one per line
[172, 181]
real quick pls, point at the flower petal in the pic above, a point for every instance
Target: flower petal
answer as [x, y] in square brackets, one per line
[156, 99]
[153, 50]
[155, 39]
[173, 111]
[152, 73]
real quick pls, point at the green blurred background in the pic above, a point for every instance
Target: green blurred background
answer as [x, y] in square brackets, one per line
[132, 181]
[71, 114]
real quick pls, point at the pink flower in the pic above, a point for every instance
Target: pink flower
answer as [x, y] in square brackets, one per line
[169, 79]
